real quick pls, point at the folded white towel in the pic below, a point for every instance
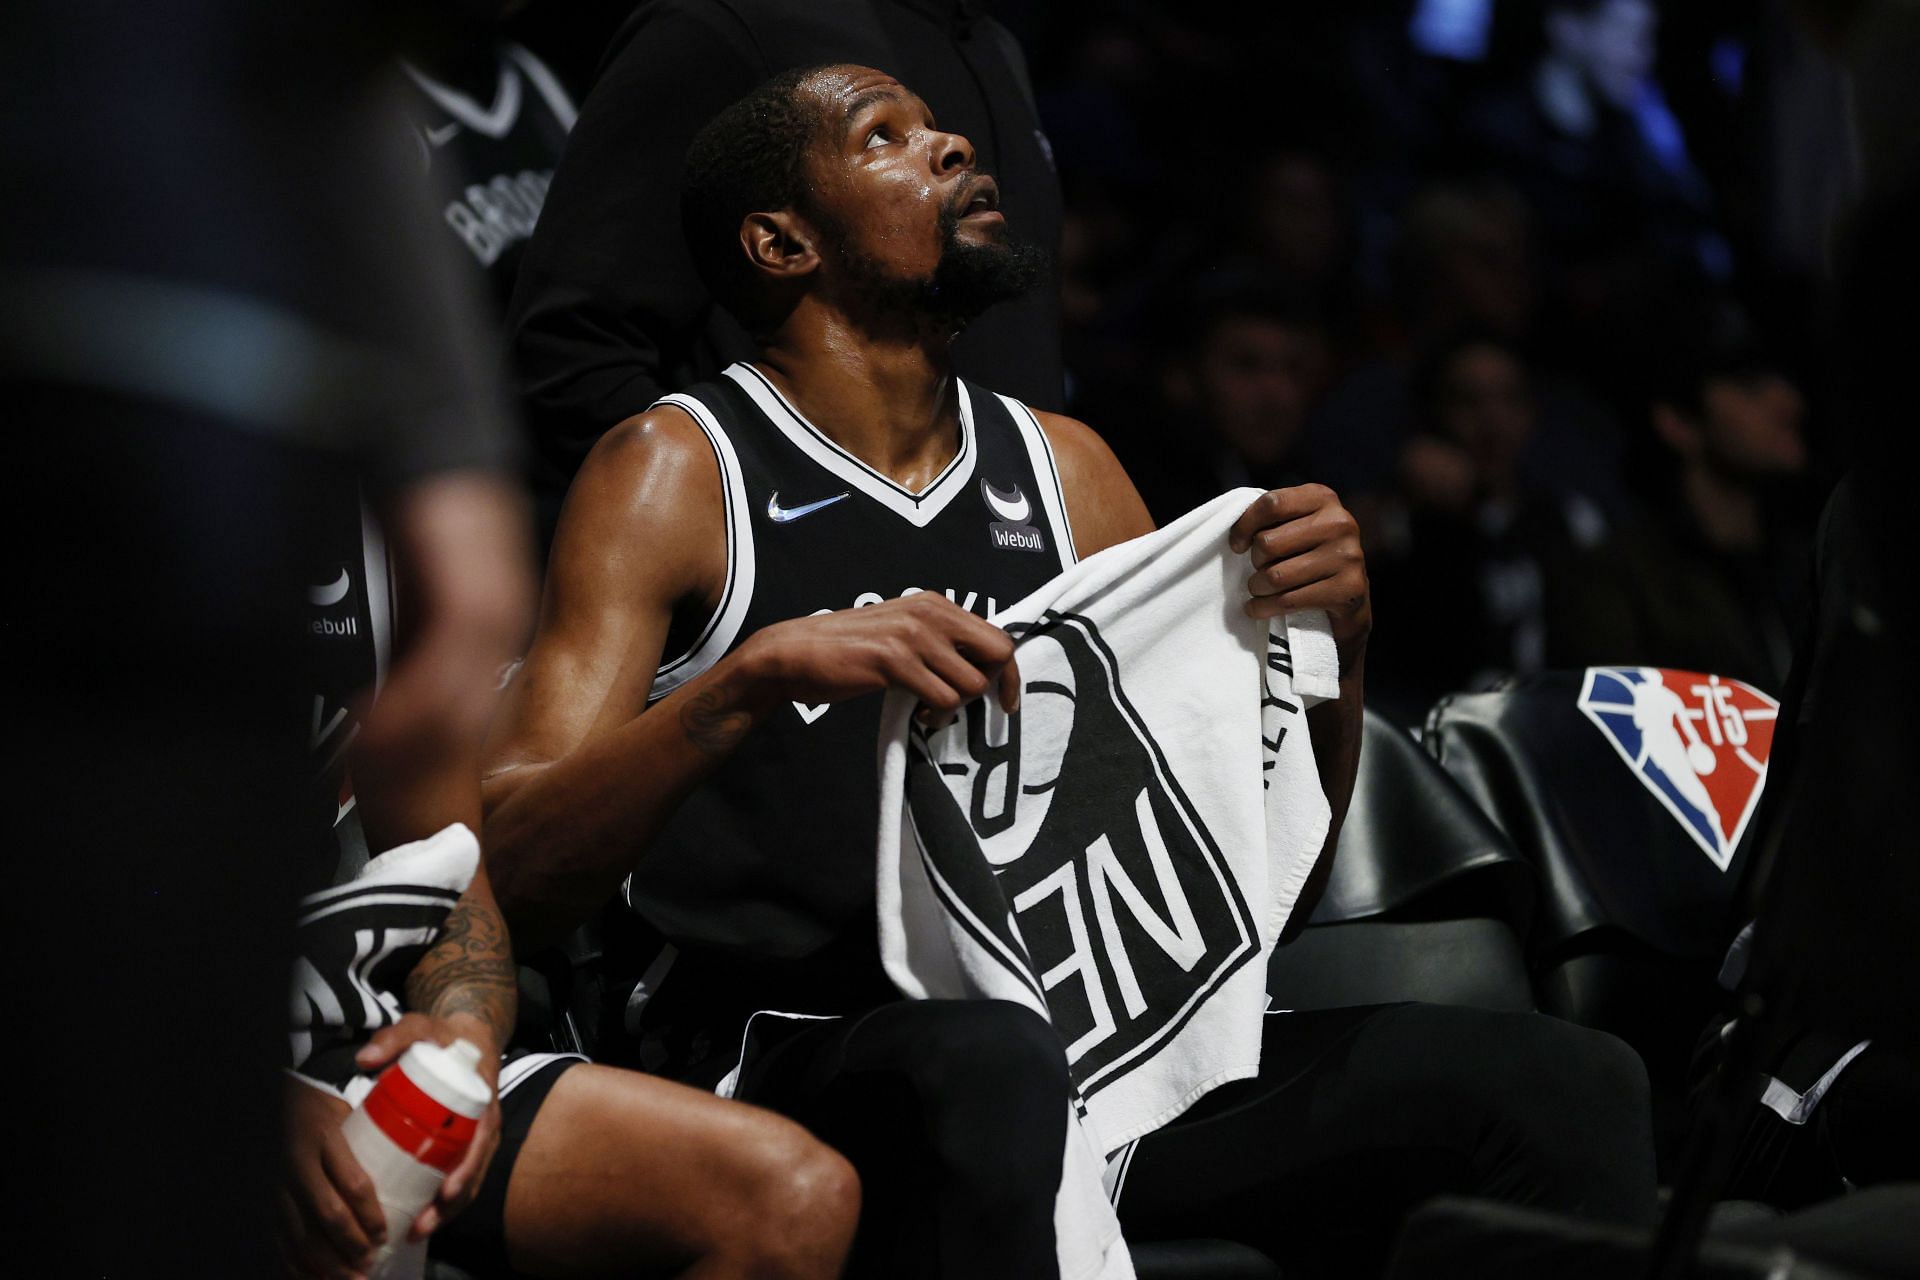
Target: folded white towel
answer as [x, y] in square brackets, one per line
[1121, 855]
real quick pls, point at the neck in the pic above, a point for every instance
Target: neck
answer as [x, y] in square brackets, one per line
[885, 394]
[1726, 511]
[1563, 97]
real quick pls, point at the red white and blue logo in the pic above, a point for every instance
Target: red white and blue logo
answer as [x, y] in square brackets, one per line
[1699, 743]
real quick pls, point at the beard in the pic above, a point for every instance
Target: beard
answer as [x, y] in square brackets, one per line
[972, 277]
[967, 279]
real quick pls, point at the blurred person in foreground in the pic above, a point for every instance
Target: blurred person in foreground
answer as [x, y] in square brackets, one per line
[610, 313]
[199, 390]
[1712, 577]
[1472, 549]
[706, 741]
[187, 338]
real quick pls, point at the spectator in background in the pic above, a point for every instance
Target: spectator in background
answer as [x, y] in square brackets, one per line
[1711, 579]
[1250, 359]
[492, 120]
[1465, 261]
[1589, 139]
[1475, 545]
[609, 314]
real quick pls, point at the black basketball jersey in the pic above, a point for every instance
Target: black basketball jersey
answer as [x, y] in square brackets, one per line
[349, 623]
[497, 159]
[773, 857]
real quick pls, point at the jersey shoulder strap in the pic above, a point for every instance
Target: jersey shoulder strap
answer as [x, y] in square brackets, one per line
[997, 413]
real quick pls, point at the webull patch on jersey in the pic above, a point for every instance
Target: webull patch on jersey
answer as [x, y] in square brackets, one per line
[1014, 530]
[1100, 887]
[1699, 743]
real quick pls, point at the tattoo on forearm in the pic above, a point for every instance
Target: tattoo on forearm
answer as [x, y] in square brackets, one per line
[713, 721]
[468, 971]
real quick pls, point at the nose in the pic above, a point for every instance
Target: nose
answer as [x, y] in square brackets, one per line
[952, 153]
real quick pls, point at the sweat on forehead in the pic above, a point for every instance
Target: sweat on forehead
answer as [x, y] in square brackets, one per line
[847, 90]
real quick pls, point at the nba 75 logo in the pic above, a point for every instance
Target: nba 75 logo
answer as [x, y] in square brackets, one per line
[1698, 743]
[1061, 841]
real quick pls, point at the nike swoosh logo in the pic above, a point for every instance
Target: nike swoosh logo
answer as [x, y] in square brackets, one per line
[332, 593]
[443, 135]
[1012, 508]
[786, 515]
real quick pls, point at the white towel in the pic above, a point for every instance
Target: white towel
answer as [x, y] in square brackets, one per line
[1121, 855]
[358, 941]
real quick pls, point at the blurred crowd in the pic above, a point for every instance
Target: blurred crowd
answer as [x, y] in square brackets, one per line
[1520, 281]
[1531, 285]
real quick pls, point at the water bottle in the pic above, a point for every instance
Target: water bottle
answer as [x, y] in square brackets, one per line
[412, 1129]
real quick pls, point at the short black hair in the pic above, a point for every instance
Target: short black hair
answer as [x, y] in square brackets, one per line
[750, 158]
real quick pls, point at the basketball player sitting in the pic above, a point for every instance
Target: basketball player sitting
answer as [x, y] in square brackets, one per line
[695, 726]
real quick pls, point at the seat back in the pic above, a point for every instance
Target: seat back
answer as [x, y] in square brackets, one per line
[1628, 788]
[1425, 901]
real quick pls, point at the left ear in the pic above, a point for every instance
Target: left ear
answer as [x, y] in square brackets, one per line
[780, 244]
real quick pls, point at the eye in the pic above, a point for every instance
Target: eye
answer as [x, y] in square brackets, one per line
[877, 137]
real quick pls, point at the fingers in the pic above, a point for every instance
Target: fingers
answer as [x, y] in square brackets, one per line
[354, 1187]
[1276, 507]
[1337, 595]
[328, 1222]
[1299, 571]
[967, 680]
[461, 1184]
[389, 1043]
[1010, 687]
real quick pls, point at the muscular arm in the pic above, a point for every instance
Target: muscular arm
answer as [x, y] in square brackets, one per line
[578, 771]
[581, 773]
[1305, 552]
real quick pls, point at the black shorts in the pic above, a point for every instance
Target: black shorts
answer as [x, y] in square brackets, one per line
[476, 1240]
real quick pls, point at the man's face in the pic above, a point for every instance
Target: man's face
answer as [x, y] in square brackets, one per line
[1256, 377]
[1751, 424]
[907, 219]
[1486, 407]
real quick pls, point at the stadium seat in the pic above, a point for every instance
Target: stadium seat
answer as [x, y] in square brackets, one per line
[1637, 864]
[1426, 900]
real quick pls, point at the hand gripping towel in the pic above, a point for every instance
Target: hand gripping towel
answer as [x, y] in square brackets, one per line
[1121, 853]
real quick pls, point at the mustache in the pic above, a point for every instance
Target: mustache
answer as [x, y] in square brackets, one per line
[963, 194]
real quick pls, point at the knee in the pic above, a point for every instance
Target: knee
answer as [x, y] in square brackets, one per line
[801, 1204]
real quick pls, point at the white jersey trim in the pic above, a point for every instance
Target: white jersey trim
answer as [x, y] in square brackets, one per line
[917, 509]
[515, 1072]
[724, 626]
[1053, 496]
[495, 121]
[558, 100]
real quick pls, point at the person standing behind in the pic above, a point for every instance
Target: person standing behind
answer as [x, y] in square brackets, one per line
[491, 120]
[610, 314]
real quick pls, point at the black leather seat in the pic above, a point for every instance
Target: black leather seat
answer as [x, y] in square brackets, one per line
[1634, 908]
[1426, 900]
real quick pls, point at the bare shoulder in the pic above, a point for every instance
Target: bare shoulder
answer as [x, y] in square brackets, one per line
[646, 505]
[1101, 501]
